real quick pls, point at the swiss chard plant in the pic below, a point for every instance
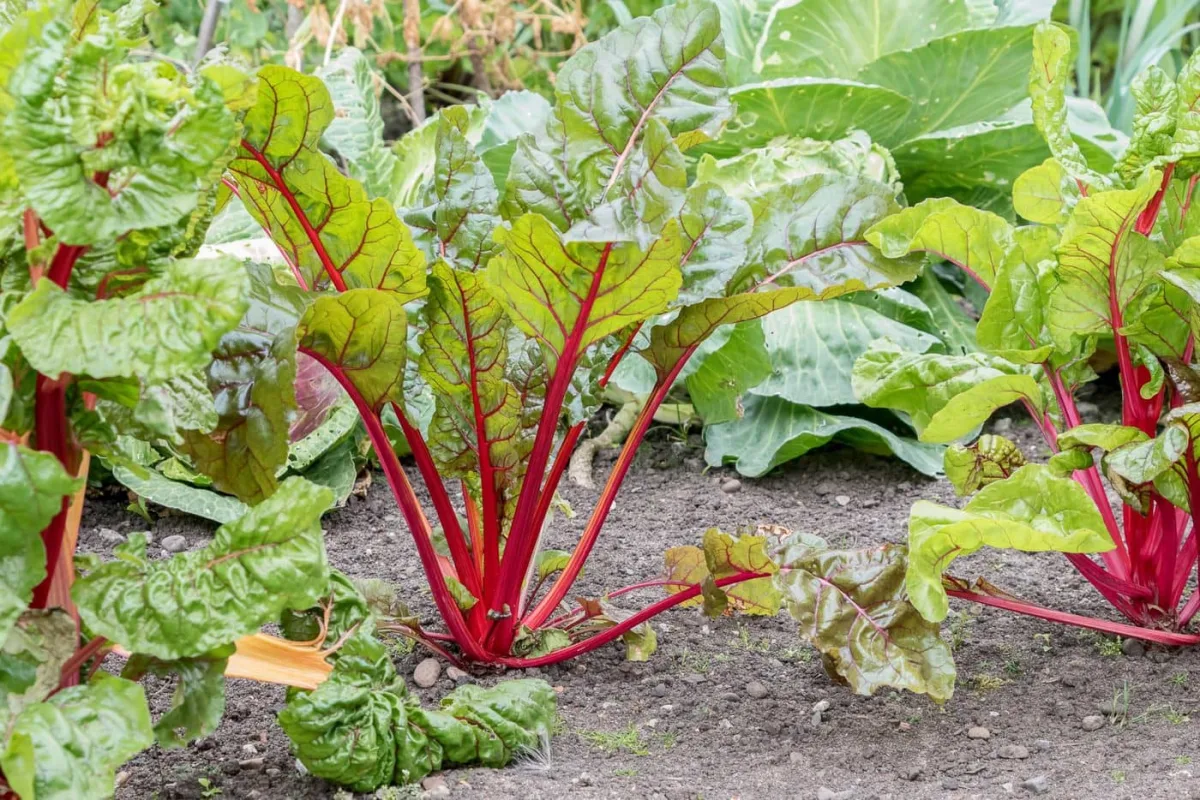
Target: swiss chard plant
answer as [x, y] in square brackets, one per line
[1110, 255]
[113, 339]
[508, 304]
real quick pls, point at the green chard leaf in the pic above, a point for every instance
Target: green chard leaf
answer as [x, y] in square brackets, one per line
[252, 380]
[33, 488]
[1156, 97]
[1034, 510]
[668, 67]
[325, 222]
[973, 240]
[1013, 322]
[360, 728]
[851, 606]
[1048, 77]
[270, 559]
[80, 111]
[1045, 193]
[363, 332]
[808, 243]
[167, 329]
[723, 556]
[946, 396]
[32, 657]
[70, 746]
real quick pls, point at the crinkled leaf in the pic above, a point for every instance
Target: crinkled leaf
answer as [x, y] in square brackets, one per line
[1048, 77]
[1035, 510]
[1013, 323]
[946, 396]
[974, 240]
[70, 746]
[359, 729]
[252, 379]
[323, 221]
[33, 489]
[271, 558]
[167, 329]
[991, 458]
[548, 562]
[668, 67]
[32, 657]
[543, 283]
[356, 131]
[851, 605]
[808, 244]
[1156, 99]
[363, 332]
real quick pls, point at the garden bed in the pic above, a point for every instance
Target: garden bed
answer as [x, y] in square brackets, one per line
[725, 708]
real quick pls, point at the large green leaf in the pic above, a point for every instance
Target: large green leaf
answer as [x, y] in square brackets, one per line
[850, 605]
[324, 222]
[32, 658]
[363, 332]
[167, 329]
[1034, 510]
[543, 283]
[808, 243]
[831, 38]
[154, 487]
[668, 67]
[820, 108]
[1102, 264]
[1013, 322]
[774, 431]
[946, 396]
[82, 113]
[955, 80]
[715, 229]
[252, 379]
[360, 728]
[70, 746]
[271, 558]
[33, 487]
[813, 346]
[717, 380]
[975, 241]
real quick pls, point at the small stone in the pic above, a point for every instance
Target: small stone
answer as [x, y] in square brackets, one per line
[979, 732]
[1134, 648]
[694, 678]
[757, 690]
[773, 727]
[120, 779]
[174, 543]
[659, 690]
[1002, 425]
[1087, 409]
[904, 486]
[249, 749]
[950, 784]
[821, 706]
[436, 786]
[1013, 751]
[457, 675]
[427, 673]
[251, 763]
[584, 779]
[842, 500]
[109, 536]
[816, 719]
[274, 772]
[904, 726]
[204, 745]
[825, 793]
[824, 488]
[1042, 744]
[231, 767]
[1036, 785]
[1093, 722]
[795, 757]
[731, 486]
[912, 773]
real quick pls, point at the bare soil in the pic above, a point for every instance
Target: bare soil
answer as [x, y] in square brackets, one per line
[684, 725]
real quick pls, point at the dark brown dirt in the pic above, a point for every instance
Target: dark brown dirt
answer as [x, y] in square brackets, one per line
[684, 726]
